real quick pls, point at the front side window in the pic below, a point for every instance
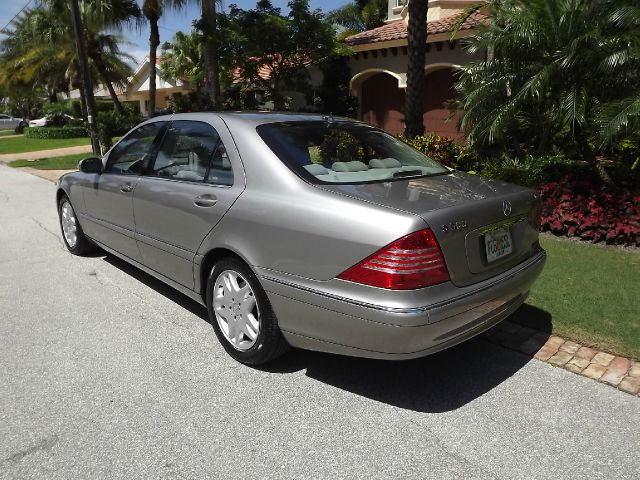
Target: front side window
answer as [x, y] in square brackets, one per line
[345, 152]
[131, 155]
[193, 151]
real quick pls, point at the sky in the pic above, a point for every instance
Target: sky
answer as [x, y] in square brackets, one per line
[171, 22]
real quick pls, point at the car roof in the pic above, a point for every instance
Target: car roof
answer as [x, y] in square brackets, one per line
[252, 119]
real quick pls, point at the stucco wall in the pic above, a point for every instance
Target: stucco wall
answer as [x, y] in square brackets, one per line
[373, 61]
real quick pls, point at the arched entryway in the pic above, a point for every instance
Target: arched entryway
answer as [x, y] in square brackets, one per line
[439, 88]
[382, 99]
[382, 102]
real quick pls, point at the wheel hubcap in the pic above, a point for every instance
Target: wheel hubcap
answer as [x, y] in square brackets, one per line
[69, 224]
[236, 311]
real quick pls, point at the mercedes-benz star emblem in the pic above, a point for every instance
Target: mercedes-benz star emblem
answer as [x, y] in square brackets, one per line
[506, 208]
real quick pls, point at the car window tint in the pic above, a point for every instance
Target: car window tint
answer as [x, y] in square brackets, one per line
[186, 151]
[220, 172]
[345, 152]
[4, 117]
[131, 154]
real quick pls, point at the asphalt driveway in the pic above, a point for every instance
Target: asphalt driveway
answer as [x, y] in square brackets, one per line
[106, 373]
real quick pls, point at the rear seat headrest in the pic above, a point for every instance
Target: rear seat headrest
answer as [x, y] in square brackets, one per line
[384, 163]
[315, 169]
[354, 166]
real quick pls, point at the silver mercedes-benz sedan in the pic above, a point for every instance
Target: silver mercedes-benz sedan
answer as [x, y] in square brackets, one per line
[308, 231]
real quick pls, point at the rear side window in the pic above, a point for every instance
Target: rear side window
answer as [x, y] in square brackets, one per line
[345, 152]
[193, 151]
[131, 155]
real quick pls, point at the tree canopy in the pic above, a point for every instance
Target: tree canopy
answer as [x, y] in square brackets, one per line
[267, 50]
[557, 73]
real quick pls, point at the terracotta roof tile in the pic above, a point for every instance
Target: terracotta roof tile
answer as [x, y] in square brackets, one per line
[398, 30]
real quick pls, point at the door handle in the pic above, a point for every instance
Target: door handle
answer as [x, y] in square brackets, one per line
[126, 187]
[205, 200]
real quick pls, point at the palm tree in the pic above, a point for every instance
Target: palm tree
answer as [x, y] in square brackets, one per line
[40, 48]
[184, 59]
[153, 10]
[417, 49]
[359, 16]
[211, 67]
[556, 68]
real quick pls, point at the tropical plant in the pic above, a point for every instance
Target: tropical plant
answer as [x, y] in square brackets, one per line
[558, 74]
[417, 49]
[152, 11]
[40, 50]
[359, 16]
[183, 59]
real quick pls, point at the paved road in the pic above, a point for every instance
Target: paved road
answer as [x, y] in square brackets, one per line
[105, 373]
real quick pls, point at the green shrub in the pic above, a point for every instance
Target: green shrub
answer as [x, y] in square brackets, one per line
[195, 102]
[530, 170]
[55, 113]
[443, 150]
[110, 124]
[45, 133]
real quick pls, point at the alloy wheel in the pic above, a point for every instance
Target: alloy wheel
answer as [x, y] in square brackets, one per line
[69, 224]
[236, 310]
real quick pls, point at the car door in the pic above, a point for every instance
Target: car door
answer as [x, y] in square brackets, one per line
[4, 121]
[195, 178]
[108, 197]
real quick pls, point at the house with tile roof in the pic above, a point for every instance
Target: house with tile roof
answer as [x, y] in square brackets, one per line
[379, 66]
[136, 90]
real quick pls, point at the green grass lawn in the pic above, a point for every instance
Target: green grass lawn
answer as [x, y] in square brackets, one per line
[66, 162]
[8, 131]
[22, 144]
[592, 294]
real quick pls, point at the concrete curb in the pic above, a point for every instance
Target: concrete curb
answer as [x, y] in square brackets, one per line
[51, 175]
[619, 372]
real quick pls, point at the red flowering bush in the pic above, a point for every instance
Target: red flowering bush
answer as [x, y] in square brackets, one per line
[582, 208]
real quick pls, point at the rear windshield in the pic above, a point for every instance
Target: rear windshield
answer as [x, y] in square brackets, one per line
[343, 152]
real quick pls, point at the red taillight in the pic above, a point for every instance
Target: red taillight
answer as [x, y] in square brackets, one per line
[413, 261]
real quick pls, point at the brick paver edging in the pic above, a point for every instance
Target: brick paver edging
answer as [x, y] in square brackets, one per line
[620, 372]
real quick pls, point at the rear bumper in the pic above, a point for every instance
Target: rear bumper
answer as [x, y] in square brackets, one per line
[317, 320]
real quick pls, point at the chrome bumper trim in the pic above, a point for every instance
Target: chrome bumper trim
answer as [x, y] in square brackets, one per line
[414, 310]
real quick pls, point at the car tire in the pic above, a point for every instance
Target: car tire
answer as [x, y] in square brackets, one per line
[72, 234]
[241, 314]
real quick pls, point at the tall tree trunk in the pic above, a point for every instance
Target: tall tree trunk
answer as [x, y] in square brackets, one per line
[589, 155]
[417, 49]
[212, 77]
[83, 102]
[102, 70]
[154, 42]
[112, 94]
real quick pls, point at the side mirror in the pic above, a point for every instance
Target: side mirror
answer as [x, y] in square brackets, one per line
[90, 165]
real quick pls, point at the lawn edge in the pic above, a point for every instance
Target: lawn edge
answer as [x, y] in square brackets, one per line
[622, 373]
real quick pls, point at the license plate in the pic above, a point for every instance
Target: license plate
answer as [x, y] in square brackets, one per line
[497, 244]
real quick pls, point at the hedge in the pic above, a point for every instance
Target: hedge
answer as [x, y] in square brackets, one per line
[55, 132]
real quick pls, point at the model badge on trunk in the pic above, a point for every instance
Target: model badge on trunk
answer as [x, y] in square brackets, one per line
[454, 226]
[506, 208]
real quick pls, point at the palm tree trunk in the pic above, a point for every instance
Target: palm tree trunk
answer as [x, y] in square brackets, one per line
[417, 49]
[154, 42]
[589, 155]
[102, 70]
[212, 80]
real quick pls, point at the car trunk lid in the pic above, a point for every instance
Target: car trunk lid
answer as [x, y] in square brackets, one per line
[474, 219]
